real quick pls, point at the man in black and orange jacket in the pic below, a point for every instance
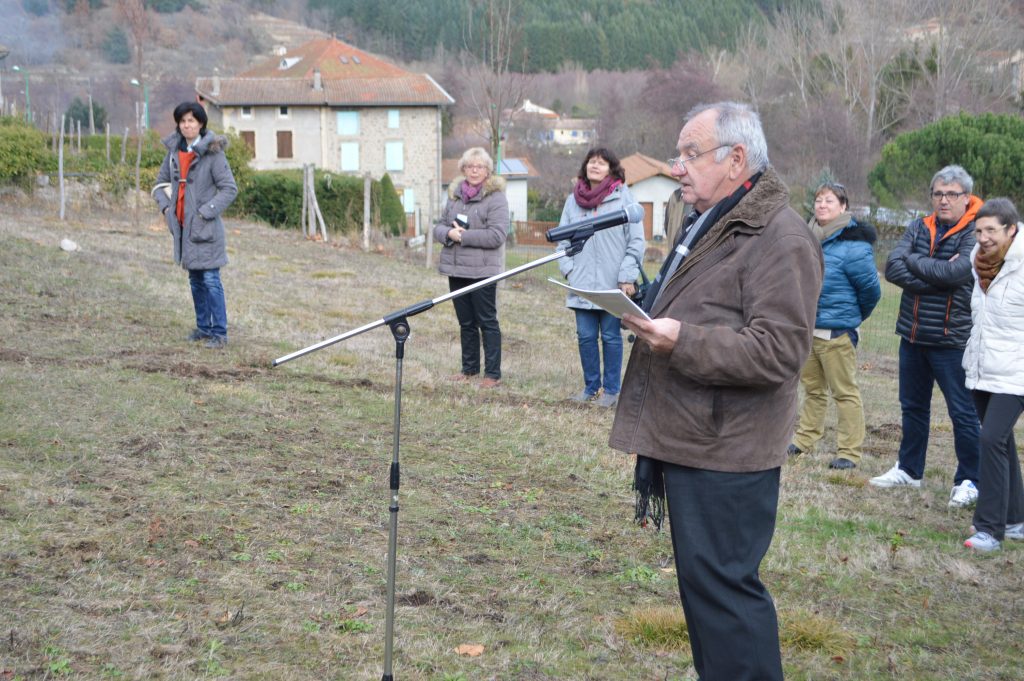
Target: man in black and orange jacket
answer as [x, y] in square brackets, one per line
[932, 265]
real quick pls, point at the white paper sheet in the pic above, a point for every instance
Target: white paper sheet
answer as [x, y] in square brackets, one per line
[612, 300]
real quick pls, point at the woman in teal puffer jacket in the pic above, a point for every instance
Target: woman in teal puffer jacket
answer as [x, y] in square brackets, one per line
[849, 293]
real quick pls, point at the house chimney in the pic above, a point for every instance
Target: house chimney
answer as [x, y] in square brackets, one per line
[318, 83]
[215, 89]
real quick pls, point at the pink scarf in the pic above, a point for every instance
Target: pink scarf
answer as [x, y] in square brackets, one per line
[467, 191]
[591, 197]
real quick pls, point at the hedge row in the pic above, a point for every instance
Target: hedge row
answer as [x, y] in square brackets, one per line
[274, 197]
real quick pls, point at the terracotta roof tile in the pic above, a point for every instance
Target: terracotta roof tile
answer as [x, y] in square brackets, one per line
[349, 76]
[639, 167]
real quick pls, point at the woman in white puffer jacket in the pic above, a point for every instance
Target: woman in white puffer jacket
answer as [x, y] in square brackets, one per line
[994, 365]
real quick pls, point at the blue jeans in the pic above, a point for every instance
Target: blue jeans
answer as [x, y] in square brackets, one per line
[208, 299]
[921, 367]
[588, 324]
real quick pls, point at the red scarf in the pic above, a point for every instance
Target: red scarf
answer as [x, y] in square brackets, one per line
[591, 197]
[185, 159]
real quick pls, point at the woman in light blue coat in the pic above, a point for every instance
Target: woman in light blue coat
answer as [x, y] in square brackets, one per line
[610, 259]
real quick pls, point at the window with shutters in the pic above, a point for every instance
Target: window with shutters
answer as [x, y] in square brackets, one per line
[350, 156]
[394, 156]
[249, 138]
[348, 123]
[284, 143]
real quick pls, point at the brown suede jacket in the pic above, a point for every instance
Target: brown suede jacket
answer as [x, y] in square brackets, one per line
[725, 398]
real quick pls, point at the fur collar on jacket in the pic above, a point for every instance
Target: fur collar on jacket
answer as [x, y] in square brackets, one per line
[858, 231]
[493, 183]
[768, 197]
[209, 143]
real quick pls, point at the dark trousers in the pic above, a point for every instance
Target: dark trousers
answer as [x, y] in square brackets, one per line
[921, 367]
[477, 313]
[722, 525]
[1000, 491]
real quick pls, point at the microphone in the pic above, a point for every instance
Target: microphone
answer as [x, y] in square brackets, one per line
[583, 229]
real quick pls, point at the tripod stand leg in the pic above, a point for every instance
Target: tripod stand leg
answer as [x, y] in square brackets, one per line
[400, 330]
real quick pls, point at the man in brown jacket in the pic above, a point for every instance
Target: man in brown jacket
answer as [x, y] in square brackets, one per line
[710, 393]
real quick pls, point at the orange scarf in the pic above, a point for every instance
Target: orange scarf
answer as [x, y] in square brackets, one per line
[988, 266]
[185, 159]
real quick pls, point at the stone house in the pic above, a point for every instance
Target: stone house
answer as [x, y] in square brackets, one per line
[341, 109]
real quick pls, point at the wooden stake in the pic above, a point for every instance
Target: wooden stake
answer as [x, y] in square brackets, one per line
[60, 166]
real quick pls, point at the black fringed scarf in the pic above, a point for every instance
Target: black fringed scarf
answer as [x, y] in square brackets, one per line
[648, 476]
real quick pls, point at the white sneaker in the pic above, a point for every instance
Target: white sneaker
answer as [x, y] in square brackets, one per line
[895, 477]
[963, 495]
[982, 541]
[1012, 531]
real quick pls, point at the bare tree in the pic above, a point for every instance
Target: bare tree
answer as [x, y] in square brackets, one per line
[959, 53]
[863, 60]
[140, 25]
[492, 37]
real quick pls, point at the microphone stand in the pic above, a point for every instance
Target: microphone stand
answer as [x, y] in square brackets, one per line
[398, 322]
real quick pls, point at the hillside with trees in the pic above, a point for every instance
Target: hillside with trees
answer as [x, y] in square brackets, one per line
[591, 34]
[834, 80]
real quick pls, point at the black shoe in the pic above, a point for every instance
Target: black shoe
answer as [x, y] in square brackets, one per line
[793, 450]
[841, 464]
[197, 335]
[216, 342]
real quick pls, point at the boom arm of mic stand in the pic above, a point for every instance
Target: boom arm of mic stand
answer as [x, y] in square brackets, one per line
[575, 245]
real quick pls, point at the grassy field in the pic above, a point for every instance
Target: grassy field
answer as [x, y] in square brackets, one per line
[172, 512]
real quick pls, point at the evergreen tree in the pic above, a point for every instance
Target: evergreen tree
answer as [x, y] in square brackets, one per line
[79, 111]
[989, 146]
[116, 48]
[392, 213]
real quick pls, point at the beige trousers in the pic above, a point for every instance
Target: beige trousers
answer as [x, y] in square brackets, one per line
[831, 368]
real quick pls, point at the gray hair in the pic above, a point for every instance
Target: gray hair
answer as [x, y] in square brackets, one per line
[953, 175]
[737, 123]
[476, 155]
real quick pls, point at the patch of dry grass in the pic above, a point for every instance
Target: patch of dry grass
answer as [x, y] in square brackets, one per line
[660, 628]
[169, 512]
[806, 631]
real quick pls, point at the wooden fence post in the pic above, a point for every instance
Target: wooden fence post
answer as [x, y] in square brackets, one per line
[60, 165]
[366, 212]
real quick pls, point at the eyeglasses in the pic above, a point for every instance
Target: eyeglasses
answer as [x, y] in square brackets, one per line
[990, 231]
[474, 166]
[682, 161]
[949, 196]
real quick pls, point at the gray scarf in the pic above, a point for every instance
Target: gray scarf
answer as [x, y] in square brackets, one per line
[823, 232]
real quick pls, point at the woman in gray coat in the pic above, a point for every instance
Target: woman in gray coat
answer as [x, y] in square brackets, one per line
[472, 229]
[611, 258]
[194, 186]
